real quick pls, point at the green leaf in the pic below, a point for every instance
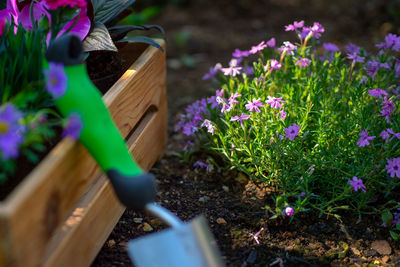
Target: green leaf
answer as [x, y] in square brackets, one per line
[106, 10]
[99, 39]
[387, 217]
[142, 39]
[394, 235]
[119, 32]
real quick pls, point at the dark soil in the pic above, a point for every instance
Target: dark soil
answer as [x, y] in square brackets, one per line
[233, 205]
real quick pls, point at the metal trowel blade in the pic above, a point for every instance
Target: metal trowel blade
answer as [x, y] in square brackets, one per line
[190, 244]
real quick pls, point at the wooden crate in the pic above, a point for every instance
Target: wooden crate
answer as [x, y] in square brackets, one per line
[63, 211]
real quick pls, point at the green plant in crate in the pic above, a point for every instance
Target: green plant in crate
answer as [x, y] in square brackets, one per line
[319, 124]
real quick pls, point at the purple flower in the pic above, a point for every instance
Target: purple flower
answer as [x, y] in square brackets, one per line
[232, 99]
[212, 100]
[188, 146]
[231, 71]
[254, 105]
[373, 66]
[209, 125]
[392, 41]
[248, 70]
[275, 102]
[329, 47]
[355, 58]
[357, 184]
[289, 211]
[352, 48]
[11, 131]
[271, 42]
[378, 92]
[385, 135]
[295, 26]
[240, 118]
[73, 127]
[387, 109]
[234, 62]
[200, 165]
[364, 139]
[390, 131]
[212, 72]
[303, 62]
[258, 48]
[56, 80]
[189, 128]
[397, 68]
[292, 131]
[393, 167]
[239, 54]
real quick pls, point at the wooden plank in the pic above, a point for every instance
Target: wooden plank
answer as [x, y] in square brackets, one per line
[39, 205]
[97, 213]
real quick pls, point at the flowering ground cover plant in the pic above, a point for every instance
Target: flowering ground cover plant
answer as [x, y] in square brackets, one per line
[318, 123]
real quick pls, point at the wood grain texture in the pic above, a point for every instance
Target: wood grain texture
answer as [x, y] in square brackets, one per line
[34, 217]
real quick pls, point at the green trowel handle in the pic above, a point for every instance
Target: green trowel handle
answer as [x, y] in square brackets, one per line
[99, 134]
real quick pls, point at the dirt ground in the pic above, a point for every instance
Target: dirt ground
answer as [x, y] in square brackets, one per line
[199, 35]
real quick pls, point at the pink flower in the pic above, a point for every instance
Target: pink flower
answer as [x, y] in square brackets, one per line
[292, 131]
[295, 26]
[275, 102]
[378, 92]
[209, 125]
[240, 118]
[393, 167]
[364, 139]
[315, 30]
[303, 62]
[357, 184]
[288, 47]
[253, 105]
[54, 4]
[289, 211]
[282, 114]
[238, 53]
[271, 42]
[258, 48]
[231, 71]
[232, 99]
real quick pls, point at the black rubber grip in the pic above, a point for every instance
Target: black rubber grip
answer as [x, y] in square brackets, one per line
[67, 49]
[133, 192]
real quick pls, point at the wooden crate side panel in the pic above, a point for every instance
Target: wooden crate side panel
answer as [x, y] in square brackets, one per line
[47, 200]
[100, 209]
[146, 81]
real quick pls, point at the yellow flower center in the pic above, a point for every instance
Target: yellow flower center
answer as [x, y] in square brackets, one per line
[53, 81]
[3, 127]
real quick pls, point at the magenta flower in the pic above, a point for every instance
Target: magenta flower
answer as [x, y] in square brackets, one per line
[258, 48]
[232, 99]
[231, 71]
[212, 72]
[240, 118]
[393, 167]
[292, 131]
[303, 62]
[357, 184]
[73, 127]
[274, 102]
[295, 26]
[288, 47]
[329, 47]
[378, 92]
[275, 65]
[209, 125]
[11, 131]
[254, 105]
[271, 42]
[289, 211]
[56, 80]
[282, 114]
[364, 139]
[315, 30]
[239, 54]
[234, 62]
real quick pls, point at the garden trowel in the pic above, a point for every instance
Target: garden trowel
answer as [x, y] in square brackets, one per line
[185, 244]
